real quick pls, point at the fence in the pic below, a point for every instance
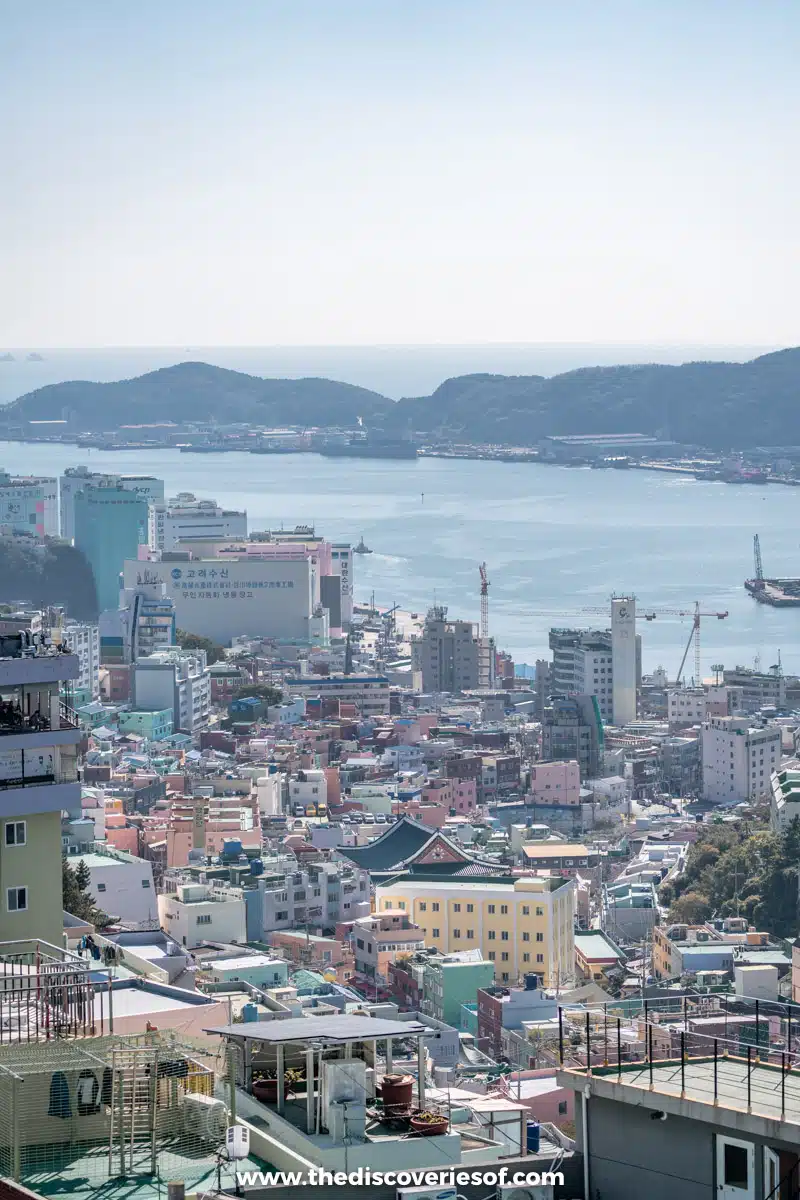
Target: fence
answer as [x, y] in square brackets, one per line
[724, 1050]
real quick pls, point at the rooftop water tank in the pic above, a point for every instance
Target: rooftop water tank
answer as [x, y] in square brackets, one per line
[231, 848]
[257, 867]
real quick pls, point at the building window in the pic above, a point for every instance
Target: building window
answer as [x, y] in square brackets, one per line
[540, 937]
[15, 833]
[470, 934]
[101, 887]
[491, 956]
[470, 908]
[504, 956]
[504, 977]
[504, 936]
[456, 933]
[490, 908]
[434, 933]
[526, 910]
[526, 937]
[491, 935]
[145, 883]
[526, 958]
[423, 906]
[456, 908]
[401, 904]
[539, 911]
[16, 899]
[540, 958]
[562, 1108]
[204, 919]
[435, 906]
[504, 910]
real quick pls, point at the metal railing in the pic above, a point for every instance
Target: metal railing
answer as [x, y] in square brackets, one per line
[754, 1048]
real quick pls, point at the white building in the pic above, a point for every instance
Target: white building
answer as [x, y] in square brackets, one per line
[222, 598]
[582, 665]
[686, 706]
[784, 796]
[342, 565]
[75, 480]
[450, 656]
[370, 693]
[738, 759]
[197, 912]
[623, 659]
[84, 641]
[184, 518]
[28, 504]
[120, 884]
[309, 787]
[176, 679]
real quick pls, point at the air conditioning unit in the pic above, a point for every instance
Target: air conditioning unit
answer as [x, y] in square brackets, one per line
[427, 1193]
[541, 1191]
[205, 1117]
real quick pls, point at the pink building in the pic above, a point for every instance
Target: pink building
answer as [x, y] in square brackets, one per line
[434, 815]
[556, 783]
[540, 1092]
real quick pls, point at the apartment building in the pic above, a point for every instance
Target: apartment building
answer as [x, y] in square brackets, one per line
[572, 728]
[369, 693]
[83, 640]
[379, 939]
[738, 759]
[184, 518]
[194, 913]
[28, 505]
[450, 656]
[38, 782]
[686, 706]
[120, 884]
[582, 663]
[319, 896]
[176, 679]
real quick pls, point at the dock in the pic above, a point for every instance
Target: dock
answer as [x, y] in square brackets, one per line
[779, 593]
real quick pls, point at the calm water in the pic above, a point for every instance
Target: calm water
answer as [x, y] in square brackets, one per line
[556, 540]
[391, 370]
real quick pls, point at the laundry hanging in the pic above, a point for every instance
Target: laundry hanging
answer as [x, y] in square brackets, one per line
[87, 1093]
[59, 1096]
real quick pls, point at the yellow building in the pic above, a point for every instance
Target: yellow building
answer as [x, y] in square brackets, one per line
[520, 924]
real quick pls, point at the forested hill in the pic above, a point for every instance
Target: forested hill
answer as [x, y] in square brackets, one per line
[715, 404]
[36, 576]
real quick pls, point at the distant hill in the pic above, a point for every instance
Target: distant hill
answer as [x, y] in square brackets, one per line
[194, 391]
[716, 404]
[40, 576]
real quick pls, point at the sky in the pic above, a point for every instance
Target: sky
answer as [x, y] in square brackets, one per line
[265, 172]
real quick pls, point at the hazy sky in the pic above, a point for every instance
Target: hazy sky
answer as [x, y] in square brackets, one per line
[362, 171]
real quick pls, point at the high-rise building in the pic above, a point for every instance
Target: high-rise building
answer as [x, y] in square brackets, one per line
[110, 525]
[143, 624]
[184, 518]
[623, 656]
[176, 679]
[449, 656]
[75, 479]
[28, 504]
[38, 781]
[572, 728]
[582, 665]
[83, 640]
[738, 758]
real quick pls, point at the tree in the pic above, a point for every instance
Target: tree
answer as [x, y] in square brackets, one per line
[692, 908]
[263, 691]
[193, 641]
[75, 895]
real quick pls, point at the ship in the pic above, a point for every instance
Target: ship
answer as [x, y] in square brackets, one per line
[362, 547]
[778, 593]
[368, 447]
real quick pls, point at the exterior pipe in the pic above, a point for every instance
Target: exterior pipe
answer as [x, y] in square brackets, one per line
[585, 1115]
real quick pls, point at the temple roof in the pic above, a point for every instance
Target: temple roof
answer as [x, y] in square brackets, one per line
[413, 848]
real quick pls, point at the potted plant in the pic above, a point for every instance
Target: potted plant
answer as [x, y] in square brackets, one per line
[428, 1123]
[265, 1083]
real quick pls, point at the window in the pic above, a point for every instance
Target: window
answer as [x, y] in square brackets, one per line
[360, 943]
[456, 933]
[526, 937]
[504, 956]
[540, 958]
[423, 906]
[491, 956]
[15, 833]
[16, 899]
[503, 910]
[434, 933]
[401, 904]
[470, 934]
[504, 977]
[145, 883]
[101, 887]
[562, 1107]
[526, 958]
[490, 908]
[491, 935]
[526, 910]
[204, 919]
[470, 908]
[435, 906]
[456, 908]
[504, 936]
[539, 911]
[540, 937]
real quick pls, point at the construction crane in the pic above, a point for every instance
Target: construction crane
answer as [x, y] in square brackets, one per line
[759, 575]
[694, 636]
[484, 601]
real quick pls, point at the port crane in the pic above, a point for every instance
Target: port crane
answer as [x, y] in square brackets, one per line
[759, 575]
[484, 601]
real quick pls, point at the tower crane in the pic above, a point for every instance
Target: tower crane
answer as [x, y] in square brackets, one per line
[484, 601]
[694, 636]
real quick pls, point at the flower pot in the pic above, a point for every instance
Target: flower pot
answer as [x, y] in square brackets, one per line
[429, 1128]
[266, 1090]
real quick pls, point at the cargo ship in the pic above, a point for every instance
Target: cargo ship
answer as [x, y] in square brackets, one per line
[368, 447]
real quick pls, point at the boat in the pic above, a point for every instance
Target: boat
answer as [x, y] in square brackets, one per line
[368, 447]
[34, 357]
[362, 547]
